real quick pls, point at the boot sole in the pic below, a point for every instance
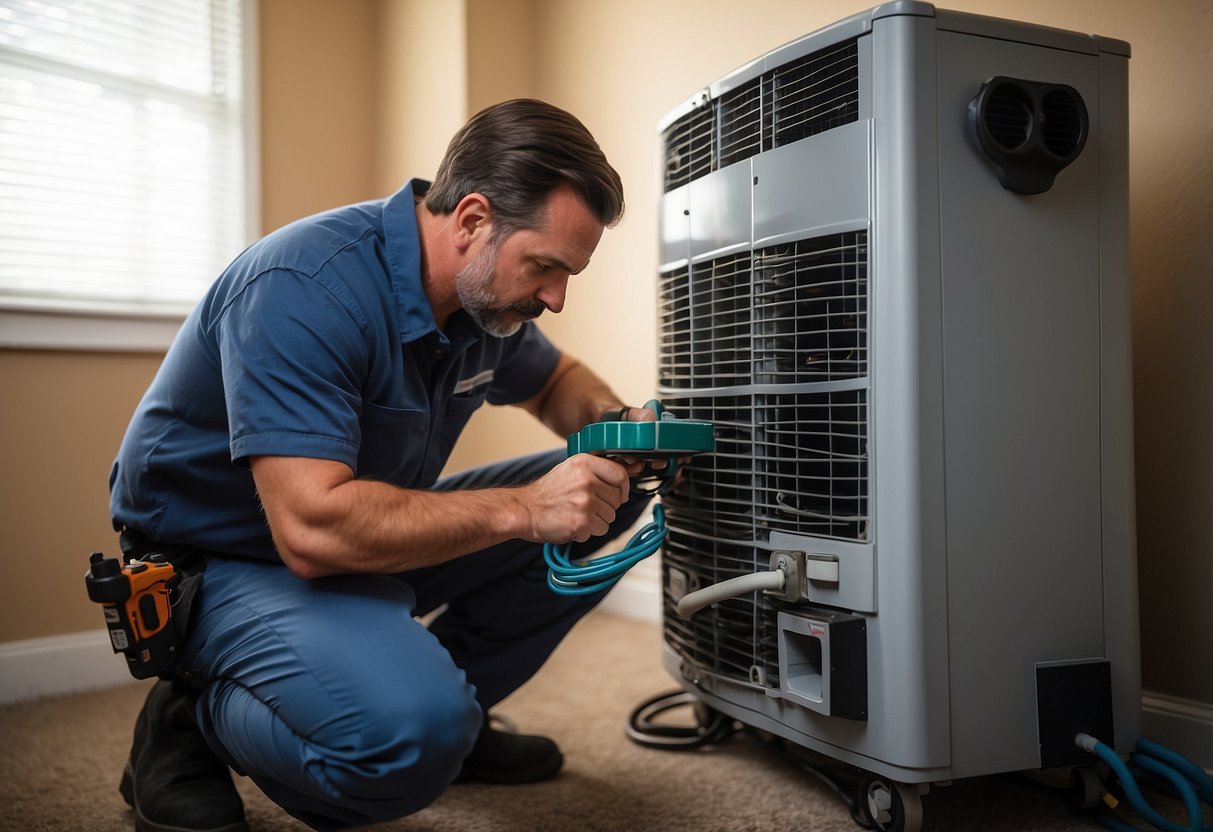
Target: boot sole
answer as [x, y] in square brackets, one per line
[497, 777]
[143, 824]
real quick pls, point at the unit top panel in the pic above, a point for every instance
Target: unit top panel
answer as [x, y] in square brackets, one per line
[1030, 33]
[861, 24]
[846, 29]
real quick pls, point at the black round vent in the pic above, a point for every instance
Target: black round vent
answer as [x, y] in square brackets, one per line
[1062, 122]
[1008, 115]
[1027, 130]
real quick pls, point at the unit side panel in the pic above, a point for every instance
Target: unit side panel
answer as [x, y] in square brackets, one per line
[1122, 637]
[908, 656]
[1021, 306]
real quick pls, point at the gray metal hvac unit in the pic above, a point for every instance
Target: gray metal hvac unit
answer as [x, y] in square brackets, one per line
[895, 276]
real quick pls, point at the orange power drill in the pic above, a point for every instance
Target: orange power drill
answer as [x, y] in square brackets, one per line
[137, 603]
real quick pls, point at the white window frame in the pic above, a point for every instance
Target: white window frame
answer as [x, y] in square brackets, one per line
[31, 327]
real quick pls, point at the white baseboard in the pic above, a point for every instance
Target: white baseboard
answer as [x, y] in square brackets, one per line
[59, 664]
[1181, 725]
[637, 595]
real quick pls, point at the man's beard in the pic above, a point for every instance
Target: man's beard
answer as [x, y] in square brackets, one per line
[472, 284]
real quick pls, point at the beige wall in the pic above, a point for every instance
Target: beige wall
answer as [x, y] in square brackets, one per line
[61, 420]
[318, 95]
[358, 95]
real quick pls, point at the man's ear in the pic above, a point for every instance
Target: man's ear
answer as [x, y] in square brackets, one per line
[472, 219]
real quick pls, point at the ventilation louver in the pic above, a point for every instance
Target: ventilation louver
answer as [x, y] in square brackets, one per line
[772, 349]
[741, 123]
[690, 146]
[800, 99]
[814, 94]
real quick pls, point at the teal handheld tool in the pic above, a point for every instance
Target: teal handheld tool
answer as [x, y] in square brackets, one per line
[667, 438]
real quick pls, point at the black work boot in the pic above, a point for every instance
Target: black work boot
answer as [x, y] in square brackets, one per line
[173, 780]
[508, 758]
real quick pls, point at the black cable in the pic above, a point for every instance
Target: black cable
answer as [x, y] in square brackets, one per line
[642, 728]
[843, 790]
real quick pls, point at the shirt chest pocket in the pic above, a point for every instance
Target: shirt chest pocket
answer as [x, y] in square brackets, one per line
[394, 442]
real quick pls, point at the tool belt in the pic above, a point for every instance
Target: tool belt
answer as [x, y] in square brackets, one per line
[148, 601]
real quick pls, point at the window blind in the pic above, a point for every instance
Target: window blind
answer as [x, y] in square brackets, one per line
[121, 152]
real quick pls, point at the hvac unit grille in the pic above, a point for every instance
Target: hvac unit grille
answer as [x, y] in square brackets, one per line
[811, 307]
[811, 456]
[720, 304]
[793, 462]
[800, 99]
[690, 147]
[814, 94]
[800, 315]
[674, 329]
[737, 638]
[705, 328]
[772, 349]
[716, 495]
[741, 123]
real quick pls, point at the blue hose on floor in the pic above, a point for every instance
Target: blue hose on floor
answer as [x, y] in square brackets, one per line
[1151, 762]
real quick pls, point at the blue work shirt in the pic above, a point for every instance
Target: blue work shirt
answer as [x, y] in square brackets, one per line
[317, 341]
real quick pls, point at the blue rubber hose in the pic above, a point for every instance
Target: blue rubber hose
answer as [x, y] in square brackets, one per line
[1195, 774]
[1184, 790]
[1151, 759]
[566, 577]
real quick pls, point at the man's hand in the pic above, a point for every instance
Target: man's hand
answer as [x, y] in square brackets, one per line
[576, 500]
[635, 464]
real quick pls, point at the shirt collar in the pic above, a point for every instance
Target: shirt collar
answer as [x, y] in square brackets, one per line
[403, 243]
[414, 316]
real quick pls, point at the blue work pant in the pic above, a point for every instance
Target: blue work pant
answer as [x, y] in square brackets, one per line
[337, 702]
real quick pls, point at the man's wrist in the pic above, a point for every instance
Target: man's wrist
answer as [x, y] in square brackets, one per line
[515, 518]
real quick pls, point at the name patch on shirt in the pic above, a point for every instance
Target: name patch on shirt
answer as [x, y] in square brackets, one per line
[468, 384]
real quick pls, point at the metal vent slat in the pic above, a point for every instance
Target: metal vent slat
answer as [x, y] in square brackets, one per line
[741, 123]
[811, 457]
[723, 480]
[802, 98]
[733, 637]
[690, 146]
[811, 308]
[748, 342]
[674, 329]
[720, 321]
[814, 94]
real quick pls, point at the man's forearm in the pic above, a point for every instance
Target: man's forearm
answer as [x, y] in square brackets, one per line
[573, 397]
[324, 526]
[326, 522]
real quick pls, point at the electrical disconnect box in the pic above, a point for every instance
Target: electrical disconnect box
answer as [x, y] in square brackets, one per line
[895, 277]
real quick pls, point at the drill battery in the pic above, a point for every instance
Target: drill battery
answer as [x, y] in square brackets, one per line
[136, 599]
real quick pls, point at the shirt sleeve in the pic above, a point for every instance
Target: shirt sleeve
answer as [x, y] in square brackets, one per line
[527, 361]
[293, 359]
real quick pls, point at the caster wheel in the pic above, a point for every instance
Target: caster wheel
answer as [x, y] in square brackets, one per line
[889, 806]
[1086, 789]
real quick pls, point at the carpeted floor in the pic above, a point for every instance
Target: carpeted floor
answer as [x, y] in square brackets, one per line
[61, 758]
